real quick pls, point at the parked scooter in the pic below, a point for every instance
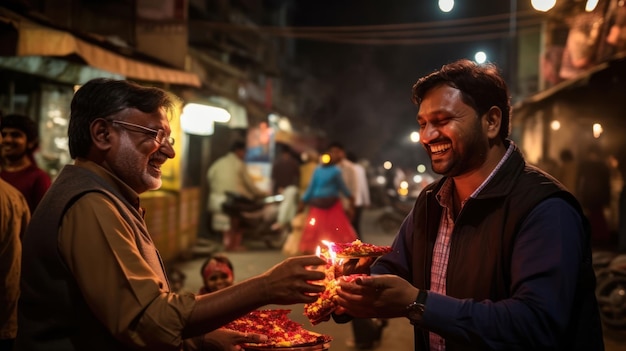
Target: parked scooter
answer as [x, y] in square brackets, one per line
[610, 271]
[258, 217]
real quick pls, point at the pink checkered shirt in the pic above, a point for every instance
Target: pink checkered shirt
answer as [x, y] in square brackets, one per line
[441, 251]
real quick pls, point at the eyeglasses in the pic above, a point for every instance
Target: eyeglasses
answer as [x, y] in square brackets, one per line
[157, 134]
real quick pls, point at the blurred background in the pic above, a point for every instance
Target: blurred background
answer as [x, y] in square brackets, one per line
[306, 73]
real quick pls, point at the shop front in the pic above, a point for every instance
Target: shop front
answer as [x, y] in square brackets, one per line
[41, 70]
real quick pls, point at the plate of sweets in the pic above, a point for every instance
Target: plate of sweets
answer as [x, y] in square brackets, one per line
[357, 249]
[283, 333]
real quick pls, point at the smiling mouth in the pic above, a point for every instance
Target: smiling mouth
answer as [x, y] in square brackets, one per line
[156, 165]
[439, 148]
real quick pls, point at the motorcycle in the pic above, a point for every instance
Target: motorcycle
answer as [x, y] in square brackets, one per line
[610, 271]
[258, 218]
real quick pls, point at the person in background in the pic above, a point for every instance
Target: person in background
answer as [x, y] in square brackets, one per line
[362, 194]
[495, 255]
[217, 273]
[20, 139]
[285, 169]
[367, 331]
[92, 278]
[285, 177]
[337, 153]
[594, 192]
[14, 217]
[229, 174]
[326, 218]
[310, 161]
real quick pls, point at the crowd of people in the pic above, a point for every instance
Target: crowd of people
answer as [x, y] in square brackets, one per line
[496, 254]
[328, 194]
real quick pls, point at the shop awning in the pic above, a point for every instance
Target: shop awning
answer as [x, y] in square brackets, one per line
[598, 84]
[39, 40]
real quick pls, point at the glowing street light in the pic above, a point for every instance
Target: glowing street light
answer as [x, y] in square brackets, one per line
[199, 119]
[597, 130]
[480, 57]
[446, 5]
[591, 5]
[543, 5]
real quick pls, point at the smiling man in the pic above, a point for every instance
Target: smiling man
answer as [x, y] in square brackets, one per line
[495, 255]
[20, 139]
[92, 278]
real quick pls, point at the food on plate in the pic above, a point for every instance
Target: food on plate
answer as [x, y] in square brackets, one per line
[358, 248]
[326, 303]
[279, 329]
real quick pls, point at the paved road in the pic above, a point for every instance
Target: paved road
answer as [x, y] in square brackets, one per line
[398, 336]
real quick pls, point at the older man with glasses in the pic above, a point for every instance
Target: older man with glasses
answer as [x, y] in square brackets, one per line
[92, 278]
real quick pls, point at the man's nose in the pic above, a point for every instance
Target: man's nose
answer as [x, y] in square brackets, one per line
[428, 132]
[167, 149]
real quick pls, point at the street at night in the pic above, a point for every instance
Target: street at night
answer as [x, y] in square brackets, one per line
[140, 137]
[398, 336]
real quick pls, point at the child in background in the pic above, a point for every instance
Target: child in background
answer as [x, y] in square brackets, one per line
[217, 274]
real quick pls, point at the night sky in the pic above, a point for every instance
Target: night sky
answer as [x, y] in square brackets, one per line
[365, 99]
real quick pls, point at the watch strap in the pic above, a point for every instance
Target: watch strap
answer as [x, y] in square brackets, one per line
[416, 308]
[421, 297]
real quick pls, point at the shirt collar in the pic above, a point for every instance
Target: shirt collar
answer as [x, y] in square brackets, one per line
[127, 192]
[444, 194]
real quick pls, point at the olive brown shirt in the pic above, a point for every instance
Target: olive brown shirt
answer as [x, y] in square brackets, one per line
[92, 276]
[14, 216]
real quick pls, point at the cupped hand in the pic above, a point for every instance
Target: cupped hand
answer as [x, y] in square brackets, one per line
[356, 266]
[380, 296]
[294, 280]
[227, 339]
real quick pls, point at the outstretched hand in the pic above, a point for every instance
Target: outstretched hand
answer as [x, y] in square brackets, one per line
[381, 296]
[293, 280]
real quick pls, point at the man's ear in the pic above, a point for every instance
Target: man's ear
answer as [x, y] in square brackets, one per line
[493, 122]
[99, 130]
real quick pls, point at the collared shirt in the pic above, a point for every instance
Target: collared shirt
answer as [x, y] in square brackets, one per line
[349, 175]
[441, 250]
[128, 300]
[362, 195]
[546, 271]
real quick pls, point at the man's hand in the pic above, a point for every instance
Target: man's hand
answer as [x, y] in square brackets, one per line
[291, 281]
[356, 266]
[226, 339]
[381, 296]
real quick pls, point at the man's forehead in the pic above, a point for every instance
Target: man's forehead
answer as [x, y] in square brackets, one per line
[12, 130]
[441, 98]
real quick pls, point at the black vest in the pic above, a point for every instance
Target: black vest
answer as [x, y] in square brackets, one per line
[482, 243]
[52, 314]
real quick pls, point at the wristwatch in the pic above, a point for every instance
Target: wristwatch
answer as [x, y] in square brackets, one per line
[416, 309]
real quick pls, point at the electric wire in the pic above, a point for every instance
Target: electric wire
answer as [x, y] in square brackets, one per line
[447, 31]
